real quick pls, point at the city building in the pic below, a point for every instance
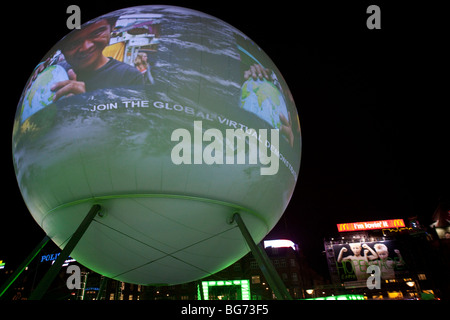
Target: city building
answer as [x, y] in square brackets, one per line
[285, 255]
[289, 262]
[386, 259]
[413, 262]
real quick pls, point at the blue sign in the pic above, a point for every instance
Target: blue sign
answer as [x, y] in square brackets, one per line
[50, 257]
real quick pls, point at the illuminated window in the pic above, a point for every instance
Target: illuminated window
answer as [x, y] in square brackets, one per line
[422, 276]
[341, 297]
[281, 243]
[392, 280]
[256, 279]
[395, 295]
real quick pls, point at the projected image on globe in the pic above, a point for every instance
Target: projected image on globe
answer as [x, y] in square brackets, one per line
[95, 122]
[40, 95]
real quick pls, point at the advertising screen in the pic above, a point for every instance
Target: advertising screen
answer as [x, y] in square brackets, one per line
[353, 259]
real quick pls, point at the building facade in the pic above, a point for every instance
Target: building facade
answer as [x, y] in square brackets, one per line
[395, 263]
[286, 257]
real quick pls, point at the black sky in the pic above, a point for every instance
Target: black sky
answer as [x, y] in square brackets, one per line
[374, 129]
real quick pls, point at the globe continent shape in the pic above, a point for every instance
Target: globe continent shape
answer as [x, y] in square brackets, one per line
[262, 98]
[161, 222]
[40, 95]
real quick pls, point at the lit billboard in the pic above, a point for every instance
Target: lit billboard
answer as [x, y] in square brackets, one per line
[353, 259]
[370, 225]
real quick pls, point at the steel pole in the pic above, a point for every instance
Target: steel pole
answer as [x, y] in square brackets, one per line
[24, 264]
[102, 288]
[56, 267]
[268, 270]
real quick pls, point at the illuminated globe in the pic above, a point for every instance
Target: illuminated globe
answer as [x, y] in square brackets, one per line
[132, 112]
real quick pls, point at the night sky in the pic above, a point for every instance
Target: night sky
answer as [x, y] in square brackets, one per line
[374, 124]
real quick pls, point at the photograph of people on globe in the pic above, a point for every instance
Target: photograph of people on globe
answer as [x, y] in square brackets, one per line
[140, 50]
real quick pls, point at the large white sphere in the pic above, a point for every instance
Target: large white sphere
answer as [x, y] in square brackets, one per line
[114, 144]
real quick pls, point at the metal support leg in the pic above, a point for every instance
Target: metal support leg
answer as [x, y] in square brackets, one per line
[102, 289]
[54, 269]
[24, 264]
[264, 262]
[279, 282]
